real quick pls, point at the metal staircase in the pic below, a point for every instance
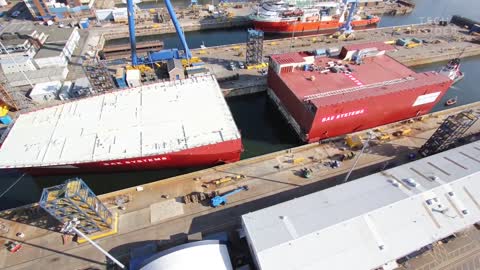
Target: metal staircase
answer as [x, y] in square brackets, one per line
[447, 135]
[254, 54]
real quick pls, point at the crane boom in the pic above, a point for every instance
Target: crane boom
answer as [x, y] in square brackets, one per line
[178, 29]
[347, 26]
[131, 32]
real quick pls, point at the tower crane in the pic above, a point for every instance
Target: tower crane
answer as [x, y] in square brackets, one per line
[154, 57]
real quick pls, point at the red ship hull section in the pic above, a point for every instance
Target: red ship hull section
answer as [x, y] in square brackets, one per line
[360, 114]
[298, 27]
[224, 152]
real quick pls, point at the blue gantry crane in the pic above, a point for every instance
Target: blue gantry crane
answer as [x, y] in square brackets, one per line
[153, 57]
[222, 199]
[347, 25]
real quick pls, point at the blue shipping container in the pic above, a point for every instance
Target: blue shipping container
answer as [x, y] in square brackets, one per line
[121, 83]
[6, 120]
[84, 23]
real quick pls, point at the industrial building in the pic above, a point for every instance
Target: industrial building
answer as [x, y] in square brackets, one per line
[58, 48]
[37, 76]
[111, 14]
[175, 69]
[373, 221]
[41, 52]
[46, 91]
[207, 254]
[18, 50]
[55, 10]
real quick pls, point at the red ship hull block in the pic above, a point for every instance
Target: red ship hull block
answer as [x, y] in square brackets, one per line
[224, 152]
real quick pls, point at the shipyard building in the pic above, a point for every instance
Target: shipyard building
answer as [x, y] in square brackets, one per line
[373, 221]
[41, 52]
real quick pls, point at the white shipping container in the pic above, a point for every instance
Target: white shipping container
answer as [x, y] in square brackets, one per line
[133, 78]
[120, 14]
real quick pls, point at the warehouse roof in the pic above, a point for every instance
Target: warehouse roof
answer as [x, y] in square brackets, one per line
[158, 118]
[373, 220]
[46, 88]
[50, 50]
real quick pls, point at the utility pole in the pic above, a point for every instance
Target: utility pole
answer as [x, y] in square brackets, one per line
[293, 35]
[70, 226]
[365, 145]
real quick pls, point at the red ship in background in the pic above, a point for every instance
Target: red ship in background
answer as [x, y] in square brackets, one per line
[324, 96]
[307, 16]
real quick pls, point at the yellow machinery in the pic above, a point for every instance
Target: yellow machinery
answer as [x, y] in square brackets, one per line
[296, 161]
[258, 66]
[142, 68]
[3, 111]
[227, 179]
[186, 63]
[354, 141]
[383, 136]
[390, 42]
[413, 45]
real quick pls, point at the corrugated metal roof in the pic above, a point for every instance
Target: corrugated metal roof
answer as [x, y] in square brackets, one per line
[373, 220]
[153, 119]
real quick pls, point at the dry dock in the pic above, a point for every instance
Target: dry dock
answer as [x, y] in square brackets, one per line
[441, 43]
[157, 213]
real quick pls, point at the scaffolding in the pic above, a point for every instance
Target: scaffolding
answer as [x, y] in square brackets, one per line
[98, 76]
[74, 199]
[449, 132]
[254, 47]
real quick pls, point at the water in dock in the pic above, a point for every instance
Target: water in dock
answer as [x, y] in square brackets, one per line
[262, 128]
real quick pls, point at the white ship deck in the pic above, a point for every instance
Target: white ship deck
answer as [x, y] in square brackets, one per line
[149, 120]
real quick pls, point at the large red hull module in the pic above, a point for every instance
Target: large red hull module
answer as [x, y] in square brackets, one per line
[181, 123]
[323, 96]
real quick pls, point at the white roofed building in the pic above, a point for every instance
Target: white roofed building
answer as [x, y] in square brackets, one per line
[46, 91]
[372, 221]
[207, 254]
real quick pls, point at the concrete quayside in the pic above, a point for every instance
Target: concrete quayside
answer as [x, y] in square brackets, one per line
[157, 212]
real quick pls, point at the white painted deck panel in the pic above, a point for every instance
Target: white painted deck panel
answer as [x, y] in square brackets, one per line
[154, 119]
